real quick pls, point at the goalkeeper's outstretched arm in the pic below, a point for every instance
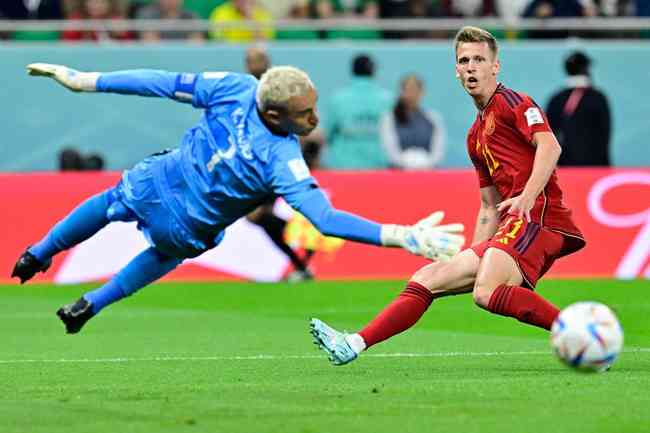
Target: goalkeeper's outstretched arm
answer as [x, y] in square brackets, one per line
[425, 238]
[142, 82]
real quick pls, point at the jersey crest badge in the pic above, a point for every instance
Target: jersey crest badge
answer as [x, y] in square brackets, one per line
[490, 124]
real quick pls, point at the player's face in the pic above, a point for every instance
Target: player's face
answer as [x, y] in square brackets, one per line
[477, 69]
[302, 116]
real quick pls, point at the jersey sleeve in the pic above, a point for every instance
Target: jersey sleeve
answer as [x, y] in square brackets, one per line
[529, 118]
[201, 90]
[209, 88]
[290, 177]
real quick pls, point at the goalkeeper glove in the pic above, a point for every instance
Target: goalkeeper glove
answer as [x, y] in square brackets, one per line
[426, 238]
[69, 78]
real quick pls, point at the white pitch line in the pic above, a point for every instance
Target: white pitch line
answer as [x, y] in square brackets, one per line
[279, 357]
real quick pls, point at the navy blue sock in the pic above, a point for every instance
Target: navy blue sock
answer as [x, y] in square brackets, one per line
[80, 224]
[145, 268]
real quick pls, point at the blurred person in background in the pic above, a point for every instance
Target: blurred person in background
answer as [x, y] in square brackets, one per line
[545, 9]
[278, 9]
[401, 9]
[243, 150]
[300, 10]
[32, 10]
[237, 11]
[257, 63]
[413, 138]
[350, 9]
[168, 10]
[352, 120]
[580, 116]
[98, 10]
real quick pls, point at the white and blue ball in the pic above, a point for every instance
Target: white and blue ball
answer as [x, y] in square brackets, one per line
[587, 336]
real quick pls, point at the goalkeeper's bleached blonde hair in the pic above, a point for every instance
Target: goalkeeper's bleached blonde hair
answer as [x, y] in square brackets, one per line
[280, 83]
[476, 34]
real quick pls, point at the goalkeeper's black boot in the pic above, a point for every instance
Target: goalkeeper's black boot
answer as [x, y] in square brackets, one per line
[75, 316]
[27, 266]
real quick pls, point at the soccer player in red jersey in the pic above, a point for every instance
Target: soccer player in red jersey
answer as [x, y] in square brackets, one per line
[522, 225]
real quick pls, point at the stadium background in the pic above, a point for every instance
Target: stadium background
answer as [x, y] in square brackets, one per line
[45, 118]
[232, 356]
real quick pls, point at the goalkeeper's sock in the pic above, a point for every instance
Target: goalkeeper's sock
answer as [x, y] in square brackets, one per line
[398, 316]
[80, 224]
[145, 268]
[524, 305]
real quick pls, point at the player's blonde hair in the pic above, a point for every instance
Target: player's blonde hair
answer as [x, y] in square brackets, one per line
[476, 34]
[280, 83]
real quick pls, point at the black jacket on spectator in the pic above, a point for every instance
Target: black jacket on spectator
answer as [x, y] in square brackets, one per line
[580, 119]
[17, 10]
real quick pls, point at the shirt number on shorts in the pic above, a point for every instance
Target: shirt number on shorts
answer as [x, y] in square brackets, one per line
[516, 226]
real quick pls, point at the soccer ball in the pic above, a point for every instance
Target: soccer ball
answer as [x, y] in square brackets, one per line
[587, 336]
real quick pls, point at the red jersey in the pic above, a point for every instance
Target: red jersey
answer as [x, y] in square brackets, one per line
[500, 146]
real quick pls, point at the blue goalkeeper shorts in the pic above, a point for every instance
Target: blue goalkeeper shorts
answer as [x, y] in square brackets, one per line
[136, 198]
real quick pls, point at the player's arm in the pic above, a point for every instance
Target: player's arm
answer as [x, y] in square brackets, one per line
[547, 153]
[487, 219]
[143, 82]
[426, 238]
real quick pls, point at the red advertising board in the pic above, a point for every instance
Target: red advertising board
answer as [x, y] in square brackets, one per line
[611, 207]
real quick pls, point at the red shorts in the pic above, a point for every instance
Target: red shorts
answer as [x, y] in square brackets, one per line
[534, 248]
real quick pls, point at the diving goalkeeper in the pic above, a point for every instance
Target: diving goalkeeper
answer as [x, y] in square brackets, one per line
[243, 151]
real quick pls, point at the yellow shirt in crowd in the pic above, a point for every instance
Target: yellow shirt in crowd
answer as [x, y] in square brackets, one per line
[240, 33]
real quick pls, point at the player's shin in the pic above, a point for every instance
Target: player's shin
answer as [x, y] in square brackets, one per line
[524, 305]
[144, 269]
[80, 224]
[400, 315]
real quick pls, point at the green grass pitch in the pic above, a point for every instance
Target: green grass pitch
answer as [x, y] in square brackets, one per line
[237, 357]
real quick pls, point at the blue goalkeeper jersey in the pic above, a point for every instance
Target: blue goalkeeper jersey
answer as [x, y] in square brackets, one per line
[230, 162]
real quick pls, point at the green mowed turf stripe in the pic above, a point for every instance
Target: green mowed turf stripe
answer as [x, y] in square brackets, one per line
[267, 357]
[234, 357]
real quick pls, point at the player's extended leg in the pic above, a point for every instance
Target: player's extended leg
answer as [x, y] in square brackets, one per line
[274, 228]
[145, 268]
[80, 224]
[433, 281]
[498, 290]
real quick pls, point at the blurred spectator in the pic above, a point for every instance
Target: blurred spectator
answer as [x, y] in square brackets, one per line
[301, 10]
[238, 11]
[352, 120]
[414, 9]
[557, 9]
[354, 9]
[642, 8]
[312, 148]
[580, 117]
[473, 8]
[72, 160]
[35, 9]
[167, 9]
[278, 8]
[510, 9]
[413, 138]
[203, 8]
[257, 61]
[98, 10]
[42, 10]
